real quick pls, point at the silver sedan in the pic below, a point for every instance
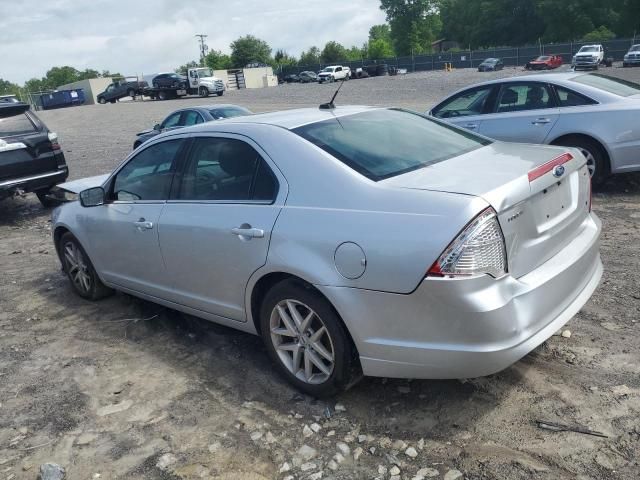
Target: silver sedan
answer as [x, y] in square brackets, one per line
[592, 112]
[353, 240]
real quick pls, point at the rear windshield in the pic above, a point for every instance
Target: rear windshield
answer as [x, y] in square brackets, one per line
[381, 144]
[229, 112]
[16, 125]
[617, 86]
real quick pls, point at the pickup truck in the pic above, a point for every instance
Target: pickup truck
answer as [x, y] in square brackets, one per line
[333, 73]
[589, 56]
[632, 57]
[125, 87]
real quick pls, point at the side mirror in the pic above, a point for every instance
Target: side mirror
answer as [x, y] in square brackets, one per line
[92, 197]
[157, 127]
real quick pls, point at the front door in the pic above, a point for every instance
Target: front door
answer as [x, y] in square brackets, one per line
[215, 234]
[467, 108]
[525, 112]
[123, 233]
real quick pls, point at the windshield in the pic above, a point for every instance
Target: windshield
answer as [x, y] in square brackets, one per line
[544, 58]
[228, 112]
[327, 69]
[490, 60]
[635, 48]
[617, 86]
[381, 144]
[205, 72]
[588, 49]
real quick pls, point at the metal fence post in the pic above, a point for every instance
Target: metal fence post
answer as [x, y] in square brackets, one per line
[517, 56]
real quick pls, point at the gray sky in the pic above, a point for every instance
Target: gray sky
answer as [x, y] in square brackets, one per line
[149, 36]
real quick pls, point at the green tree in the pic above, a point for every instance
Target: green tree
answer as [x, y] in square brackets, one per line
[415, 24]
[249, 49]
[217, 60]
[356, 54]
[57, 76]
[310, 57]
[283, 59]
[628, 21]
[8, 88]
[378, 32]
[333, 52]
[36, 85]
[601, 34]
[380, 48]
[88, 73]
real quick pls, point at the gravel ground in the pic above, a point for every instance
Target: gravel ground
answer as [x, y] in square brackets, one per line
[126, 389]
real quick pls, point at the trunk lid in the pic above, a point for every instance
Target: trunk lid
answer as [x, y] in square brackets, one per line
[539, 213]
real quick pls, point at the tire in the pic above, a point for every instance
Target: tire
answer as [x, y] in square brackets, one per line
[203, 92]
[220, 93]
[333, 349]
[112, 101]
[79, 269]
[596, 157]
[132, 93]
[162, 95]
[102, 101]
[45, 200]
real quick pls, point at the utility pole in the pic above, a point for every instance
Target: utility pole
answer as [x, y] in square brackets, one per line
[203, 47]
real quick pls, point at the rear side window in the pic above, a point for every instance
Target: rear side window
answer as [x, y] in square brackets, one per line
[381, 144]
[617, 86]
[569, 98]
[16, 125]
[529, 96]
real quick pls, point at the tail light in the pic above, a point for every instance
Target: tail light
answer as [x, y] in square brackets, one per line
[53, 138]
[478, 249]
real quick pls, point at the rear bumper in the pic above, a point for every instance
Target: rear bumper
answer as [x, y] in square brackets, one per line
[34, 182]
[464, 328]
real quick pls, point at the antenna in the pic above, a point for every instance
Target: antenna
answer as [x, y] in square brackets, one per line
[330, 105]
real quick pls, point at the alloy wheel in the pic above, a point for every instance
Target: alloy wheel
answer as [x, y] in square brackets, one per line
[591, 161]
[302, 341]
[77, 267]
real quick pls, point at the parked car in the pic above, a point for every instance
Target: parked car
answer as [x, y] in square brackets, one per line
[8, 99]
[129, 87]
[589, 57]
[491, 65]
[186, 117]
[333, 73]
[31, 159]
[545, 62]
[592, 112]
[307, 77]
[294, 226]
[291, 78]
[632, 57]
[170, 80]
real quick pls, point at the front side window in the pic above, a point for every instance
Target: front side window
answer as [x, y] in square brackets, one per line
[470, 102]
[384, 143]
[523, 97]
[226, 169]
[16, 125]
[191, 117]
[148, 175]
[172, 120]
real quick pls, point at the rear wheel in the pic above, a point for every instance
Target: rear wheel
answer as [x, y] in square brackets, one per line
[45, 198]
[307, 340]
[162, 95]
[597, 162]
[79, 269]
[102, 101]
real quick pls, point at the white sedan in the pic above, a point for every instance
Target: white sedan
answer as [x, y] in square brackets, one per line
[592, 112]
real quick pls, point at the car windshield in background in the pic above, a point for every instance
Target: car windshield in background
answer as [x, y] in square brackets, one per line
[229, 112]
[617, 86]
[381, 144]
[543, 59]
[205, 72]
[328, 69]
[635, 48]
[588, 49]
[490, 60]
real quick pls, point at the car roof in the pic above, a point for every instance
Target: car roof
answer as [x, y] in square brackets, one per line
[291, 119]
[541, 77]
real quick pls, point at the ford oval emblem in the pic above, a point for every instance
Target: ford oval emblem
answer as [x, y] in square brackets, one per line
[558, 171]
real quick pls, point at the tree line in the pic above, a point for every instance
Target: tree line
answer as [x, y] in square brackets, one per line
[410, 29]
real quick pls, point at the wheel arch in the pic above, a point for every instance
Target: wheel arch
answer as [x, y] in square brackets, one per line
[598, 142]
[263, 284]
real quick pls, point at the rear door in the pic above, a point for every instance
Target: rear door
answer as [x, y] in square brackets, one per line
[524, 112]
[467, 109]
[25, 148]
[215, 231]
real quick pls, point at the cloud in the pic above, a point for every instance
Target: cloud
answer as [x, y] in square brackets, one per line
[148, 36]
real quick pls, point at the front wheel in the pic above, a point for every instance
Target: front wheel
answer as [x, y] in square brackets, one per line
[162, 95]
[79, 269]
[204, 92]
[307, 340]
[220, 93]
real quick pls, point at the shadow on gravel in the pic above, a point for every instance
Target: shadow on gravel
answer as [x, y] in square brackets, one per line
[621, 184]
[17, 210]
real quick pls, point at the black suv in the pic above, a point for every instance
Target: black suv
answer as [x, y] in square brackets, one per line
[30, 156]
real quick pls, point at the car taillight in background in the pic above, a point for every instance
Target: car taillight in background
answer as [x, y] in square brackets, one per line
[53, 138]
[478, 249]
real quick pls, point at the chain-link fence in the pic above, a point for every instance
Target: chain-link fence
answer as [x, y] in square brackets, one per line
[519, 56]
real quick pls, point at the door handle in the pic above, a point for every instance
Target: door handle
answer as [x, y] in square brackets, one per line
[471, 126]
[541, 121]
[143, 224]
[247, 231]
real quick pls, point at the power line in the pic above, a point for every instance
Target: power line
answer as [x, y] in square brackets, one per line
[203, 46]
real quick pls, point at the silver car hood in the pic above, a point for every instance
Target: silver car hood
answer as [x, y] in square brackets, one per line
[76, 186]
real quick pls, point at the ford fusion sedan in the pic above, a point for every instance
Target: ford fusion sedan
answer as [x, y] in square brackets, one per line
[595, 113]
[187, 117]
[353, 240]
